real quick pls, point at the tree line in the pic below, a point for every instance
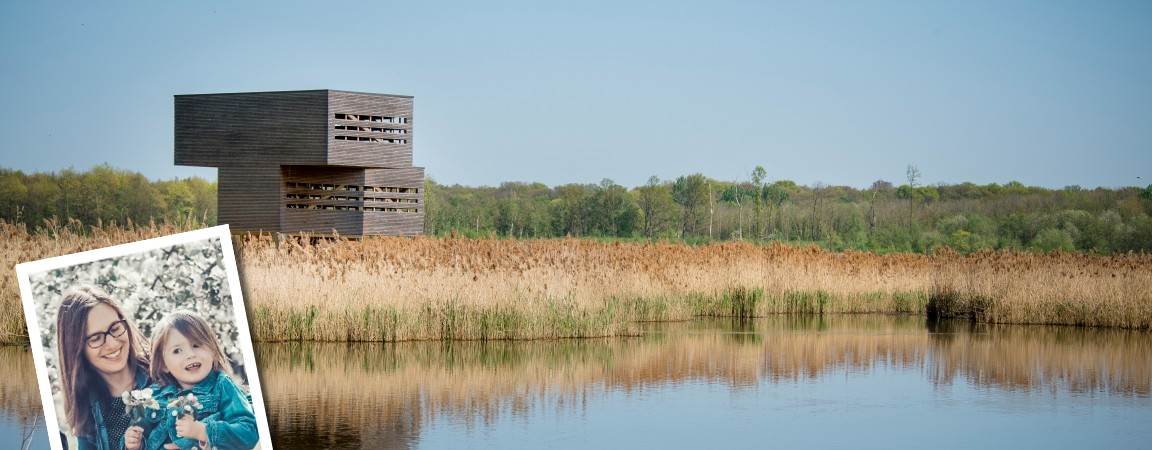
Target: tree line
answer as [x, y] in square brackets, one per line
[885, 217]
[103, 195]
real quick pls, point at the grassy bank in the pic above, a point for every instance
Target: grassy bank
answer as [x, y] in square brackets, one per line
[393, 289]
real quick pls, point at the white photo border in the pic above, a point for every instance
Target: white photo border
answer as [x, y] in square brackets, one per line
[25, 270]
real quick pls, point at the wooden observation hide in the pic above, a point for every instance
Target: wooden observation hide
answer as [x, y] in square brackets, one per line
[319, 161]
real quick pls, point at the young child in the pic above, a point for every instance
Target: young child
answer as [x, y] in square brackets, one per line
[187, 359]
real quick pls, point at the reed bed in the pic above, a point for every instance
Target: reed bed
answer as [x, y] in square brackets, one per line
[394, 289]
[388, 289]
[1056, 288]
[19, 244]
[398, 289]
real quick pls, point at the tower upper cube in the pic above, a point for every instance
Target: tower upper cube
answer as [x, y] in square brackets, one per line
[318, 127]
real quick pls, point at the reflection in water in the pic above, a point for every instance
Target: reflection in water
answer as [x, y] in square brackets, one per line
[1077, 360]
[386, 395]
[401, 395]
[20, 414]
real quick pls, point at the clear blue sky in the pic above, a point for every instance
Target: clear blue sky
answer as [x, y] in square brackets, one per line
[1047, 93]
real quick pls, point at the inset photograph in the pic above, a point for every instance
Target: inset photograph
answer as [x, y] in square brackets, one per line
[145, 346]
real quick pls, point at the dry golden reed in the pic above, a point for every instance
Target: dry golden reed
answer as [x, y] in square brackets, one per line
[395, 289]
[55, 239]
[421, 288]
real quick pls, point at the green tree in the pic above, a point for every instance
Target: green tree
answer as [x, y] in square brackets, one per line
[613, 210]
[691, 193]
[1053, 239]
[658, 210]
[178, 199]
[775, 196]
[13, 193]
[568, 210]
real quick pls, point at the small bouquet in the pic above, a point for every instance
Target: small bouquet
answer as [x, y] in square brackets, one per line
[137, 404]
[184, 405]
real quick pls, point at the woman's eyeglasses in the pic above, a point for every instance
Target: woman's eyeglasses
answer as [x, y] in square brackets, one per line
[117, 329]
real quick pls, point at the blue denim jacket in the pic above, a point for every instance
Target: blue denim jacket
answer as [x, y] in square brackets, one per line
[227, 415]
[100, 441]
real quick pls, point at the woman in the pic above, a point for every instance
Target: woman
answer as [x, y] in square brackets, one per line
[101, 356]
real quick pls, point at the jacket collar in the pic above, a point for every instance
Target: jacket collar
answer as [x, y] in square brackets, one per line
[199, 389]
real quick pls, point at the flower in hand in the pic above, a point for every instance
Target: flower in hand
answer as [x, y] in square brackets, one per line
[184, 405]
[138, 403]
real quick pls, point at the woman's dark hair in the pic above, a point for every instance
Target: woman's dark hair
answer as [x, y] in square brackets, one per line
[78, 379]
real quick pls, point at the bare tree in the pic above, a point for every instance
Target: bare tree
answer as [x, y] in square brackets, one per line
[913, 178]
[758, 175]
[711, 209]
[817, 194]
[877, 186]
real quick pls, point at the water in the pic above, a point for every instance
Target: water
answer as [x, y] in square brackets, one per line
[788, 382]
[20, 414]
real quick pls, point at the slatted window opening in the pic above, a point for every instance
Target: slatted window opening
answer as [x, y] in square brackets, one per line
[371, 119]
[348, 197]
[371, 129]
[370, 139]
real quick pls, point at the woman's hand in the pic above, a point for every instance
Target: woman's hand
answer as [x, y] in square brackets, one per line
[171, 446]
[187, 427]
[132, 438]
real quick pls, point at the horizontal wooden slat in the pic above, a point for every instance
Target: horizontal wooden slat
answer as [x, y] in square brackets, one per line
[249, 198]
[348, 223]
[236, 129]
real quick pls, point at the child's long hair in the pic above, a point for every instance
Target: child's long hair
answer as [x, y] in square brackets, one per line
[78, 379]
[197, 331]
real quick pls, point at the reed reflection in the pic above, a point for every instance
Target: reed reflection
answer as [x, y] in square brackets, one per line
[387, 395]
[384, 395]
[1076, 360]
[19, 396]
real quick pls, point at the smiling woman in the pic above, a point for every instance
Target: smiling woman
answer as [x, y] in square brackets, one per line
[101, 356]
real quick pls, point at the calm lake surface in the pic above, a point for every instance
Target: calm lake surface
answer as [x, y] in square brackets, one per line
[787, 382]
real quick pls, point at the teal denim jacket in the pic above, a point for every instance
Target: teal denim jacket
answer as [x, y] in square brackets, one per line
[100, 440]
[227, 415]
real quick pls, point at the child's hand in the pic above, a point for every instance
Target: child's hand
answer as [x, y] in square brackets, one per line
[187, 427]
[132, 438]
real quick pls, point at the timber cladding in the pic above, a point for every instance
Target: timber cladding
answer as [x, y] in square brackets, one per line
[366, 153]
[320, 161]
[217, 130]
